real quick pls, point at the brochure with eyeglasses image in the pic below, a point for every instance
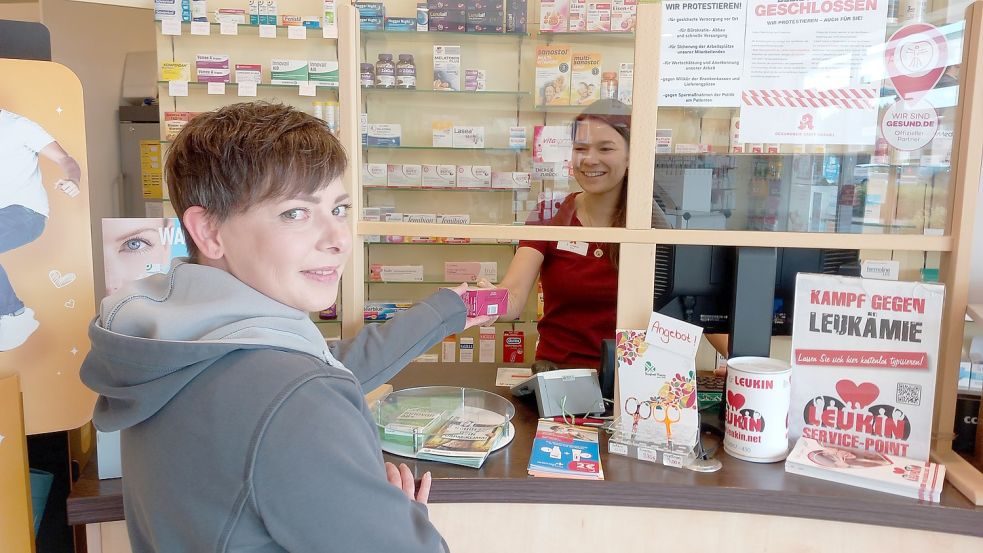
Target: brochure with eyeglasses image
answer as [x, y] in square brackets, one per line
[565, 451]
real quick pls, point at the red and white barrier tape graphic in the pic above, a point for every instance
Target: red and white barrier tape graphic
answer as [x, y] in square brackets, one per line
[847, 98]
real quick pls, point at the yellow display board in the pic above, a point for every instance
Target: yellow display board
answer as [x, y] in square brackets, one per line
[16, 527]
[50, 274]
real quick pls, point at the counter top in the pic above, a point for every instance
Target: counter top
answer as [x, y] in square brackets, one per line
[740, 487]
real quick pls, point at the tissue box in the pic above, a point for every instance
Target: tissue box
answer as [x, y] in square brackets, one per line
[486, 301]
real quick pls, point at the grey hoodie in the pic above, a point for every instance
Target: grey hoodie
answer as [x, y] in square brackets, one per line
[241, 430]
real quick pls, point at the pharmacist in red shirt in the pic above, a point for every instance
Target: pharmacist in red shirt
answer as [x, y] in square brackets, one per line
[579, 279]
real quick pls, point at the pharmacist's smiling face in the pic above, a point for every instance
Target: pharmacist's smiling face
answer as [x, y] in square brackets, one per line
[600, 157]
[293, 250]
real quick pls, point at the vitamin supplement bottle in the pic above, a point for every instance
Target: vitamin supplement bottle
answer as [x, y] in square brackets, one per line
[367, 75]
[405, 72]
[385, 72]
[331, 115]
[319, 109]
[609, 85]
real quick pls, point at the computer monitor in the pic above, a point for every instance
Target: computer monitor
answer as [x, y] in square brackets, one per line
[747, 293]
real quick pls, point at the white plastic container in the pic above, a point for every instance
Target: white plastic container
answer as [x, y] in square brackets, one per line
[756, 418]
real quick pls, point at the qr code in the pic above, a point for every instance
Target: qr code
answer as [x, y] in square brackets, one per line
[909, 394]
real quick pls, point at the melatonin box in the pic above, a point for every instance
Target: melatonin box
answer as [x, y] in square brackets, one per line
[447, 67]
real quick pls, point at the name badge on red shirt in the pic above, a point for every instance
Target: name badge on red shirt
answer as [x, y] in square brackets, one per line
[579, 248]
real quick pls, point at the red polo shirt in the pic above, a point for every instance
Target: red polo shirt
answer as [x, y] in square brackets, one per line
[580, 295]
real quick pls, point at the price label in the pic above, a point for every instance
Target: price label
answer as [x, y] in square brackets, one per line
[672, 460]
[170, 27]
[228, 28]
[216, 88]
[177, 88]
[619, 449]
[201, 28]
[247, 89]
[297, 32]
[267, 31]
[307, 89]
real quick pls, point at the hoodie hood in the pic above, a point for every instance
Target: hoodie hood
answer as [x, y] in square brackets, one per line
[157, 334]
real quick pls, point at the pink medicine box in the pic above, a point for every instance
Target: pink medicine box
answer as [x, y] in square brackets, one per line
[486, 301]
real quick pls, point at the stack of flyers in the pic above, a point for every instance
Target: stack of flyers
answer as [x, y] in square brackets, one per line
[867, 469]
[465, 438]
[565, 451]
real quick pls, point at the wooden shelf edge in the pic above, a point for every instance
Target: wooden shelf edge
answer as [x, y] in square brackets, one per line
[964, 476]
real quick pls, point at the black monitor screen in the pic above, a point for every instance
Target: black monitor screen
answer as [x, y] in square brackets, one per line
[696, 284]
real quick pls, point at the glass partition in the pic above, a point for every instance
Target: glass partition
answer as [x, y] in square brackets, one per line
[823, 117]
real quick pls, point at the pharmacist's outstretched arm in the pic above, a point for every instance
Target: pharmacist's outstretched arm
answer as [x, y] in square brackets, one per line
[519, 279]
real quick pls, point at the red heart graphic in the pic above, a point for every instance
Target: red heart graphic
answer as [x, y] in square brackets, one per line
[850, 392]
[735, 400]
[898, 470]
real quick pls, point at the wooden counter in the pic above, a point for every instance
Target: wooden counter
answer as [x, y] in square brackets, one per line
[740, 487]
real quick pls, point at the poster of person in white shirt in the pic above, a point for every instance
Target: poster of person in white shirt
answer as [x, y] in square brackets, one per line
[47, 293]
[24, 208]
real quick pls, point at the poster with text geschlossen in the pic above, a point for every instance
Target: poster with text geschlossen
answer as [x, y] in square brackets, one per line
[46, 290]
[864, 358]
[135, 248]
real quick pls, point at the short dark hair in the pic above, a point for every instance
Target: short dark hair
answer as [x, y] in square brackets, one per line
[240, 155]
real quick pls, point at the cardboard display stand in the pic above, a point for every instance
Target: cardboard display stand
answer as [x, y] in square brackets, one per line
[16, 524]
[49, 267]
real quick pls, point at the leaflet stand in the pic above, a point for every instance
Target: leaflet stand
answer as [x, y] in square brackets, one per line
[652, 445]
